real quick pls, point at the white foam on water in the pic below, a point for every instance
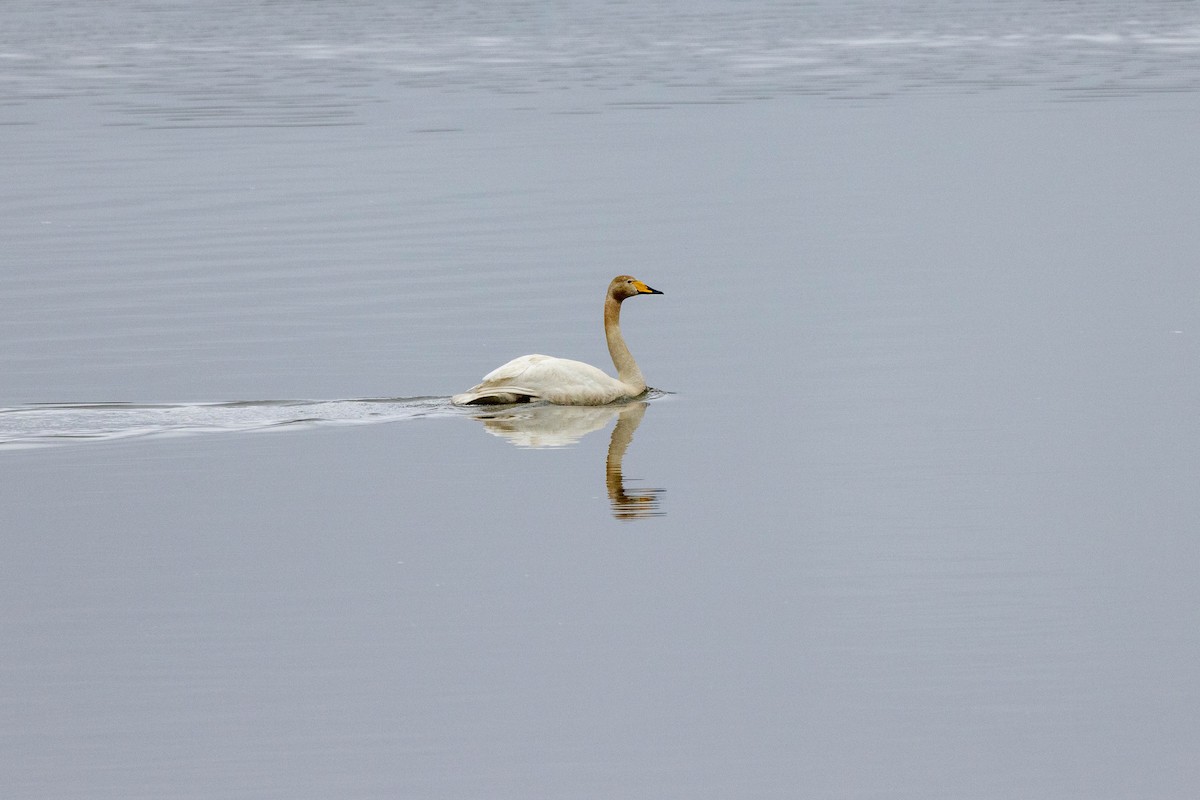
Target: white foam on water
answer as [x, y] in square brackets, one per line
[31, 426]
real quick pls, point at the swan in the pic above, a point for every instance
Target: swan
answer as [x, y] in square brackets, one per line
[565, 382]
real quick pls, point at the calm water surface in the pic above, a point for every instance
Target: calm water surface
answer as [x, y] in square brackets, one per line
[912, 510]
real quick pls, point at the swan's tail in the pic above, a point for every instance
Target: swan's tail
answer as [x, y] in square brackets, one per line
[494, 396]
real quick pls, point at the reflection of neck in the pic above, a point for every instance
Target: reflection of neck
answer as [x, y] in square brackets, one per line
[626, 506]
[627, 368]
[622, 435]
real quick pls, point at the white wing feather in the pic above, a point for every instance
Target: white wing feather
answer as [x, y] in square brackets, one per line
[556, 380]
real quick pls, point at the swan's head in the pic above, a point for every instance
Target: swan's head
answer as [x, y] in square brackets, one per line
[624, 286]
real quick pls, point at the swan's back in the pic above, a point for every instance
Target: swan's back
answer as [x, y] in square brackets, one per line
[537, 377]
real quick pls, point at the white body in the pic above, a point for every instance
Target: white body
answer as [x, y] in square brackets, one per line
[555, 380]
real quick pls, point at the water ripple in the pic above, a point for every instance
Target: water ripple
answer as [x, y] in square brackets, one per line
[193, 65]
[31, 426]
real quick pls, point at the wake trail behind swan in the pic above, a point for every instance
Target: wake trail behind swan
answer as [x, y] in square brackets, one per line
[45, 425]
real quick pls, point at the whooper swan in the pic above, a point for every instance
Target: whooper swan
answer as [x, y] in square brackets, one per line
[563, 381]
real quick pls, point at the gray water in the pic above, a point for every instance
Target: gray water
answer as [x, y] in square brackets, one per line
[912, 509]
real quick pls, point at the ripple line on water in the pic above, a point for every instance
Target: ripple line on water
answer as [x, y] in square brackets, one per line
[50, 424]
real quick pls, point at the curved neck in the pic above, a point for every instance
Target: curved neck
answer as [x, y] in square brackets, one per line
[627, 368]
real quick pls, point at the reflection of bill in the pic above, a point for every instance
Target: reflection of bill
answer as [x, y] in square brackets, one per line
[558, 426]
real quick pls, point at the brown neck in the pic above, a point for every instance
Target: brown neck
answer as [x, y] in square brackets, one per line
[627, 368]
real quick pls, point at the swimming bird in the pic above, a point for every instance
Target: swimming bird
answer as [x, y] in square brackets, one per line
[565, 382]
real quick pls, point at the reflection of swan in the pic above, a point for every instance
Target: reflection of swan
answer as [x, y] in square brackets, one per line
[556, 426]
[563, 381]
[547, 426]
[627, 505]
